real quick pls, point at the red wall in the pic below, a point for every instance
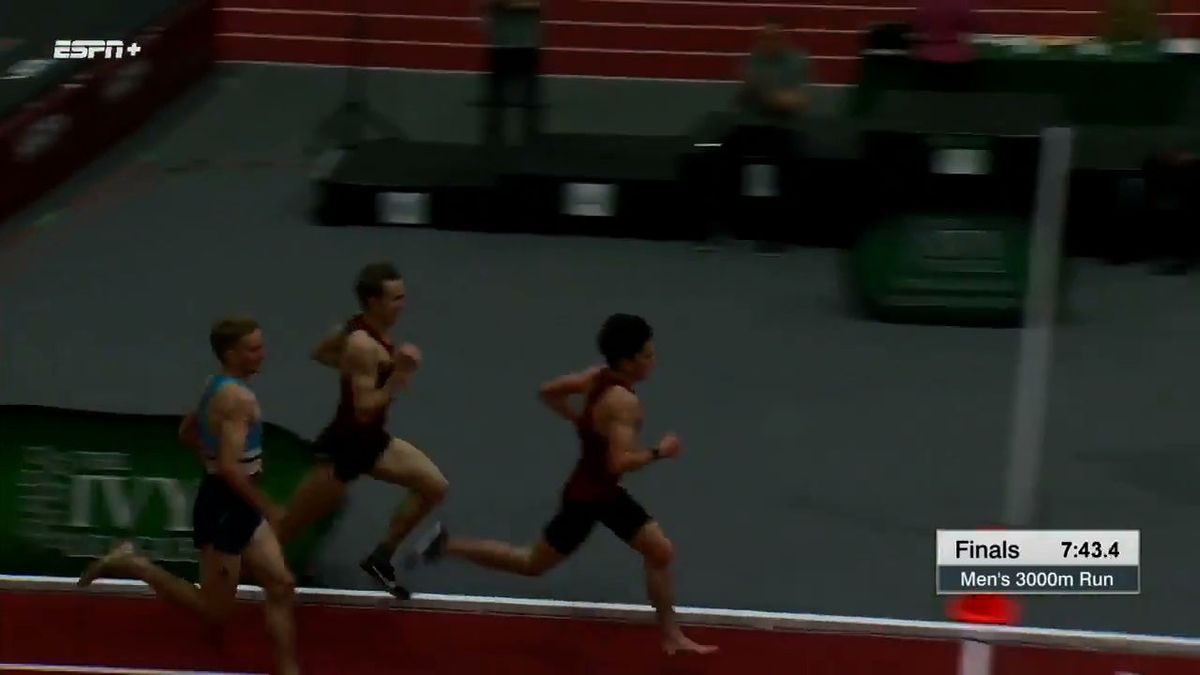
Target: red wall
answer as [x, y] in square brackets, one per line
[106, 630]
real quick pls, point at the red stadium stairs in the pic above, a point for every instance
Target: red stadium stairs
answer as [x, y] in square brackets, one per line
[666, 39]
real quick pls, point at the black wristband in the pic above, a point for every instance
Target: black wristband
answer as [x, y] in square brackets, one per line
[655, 452]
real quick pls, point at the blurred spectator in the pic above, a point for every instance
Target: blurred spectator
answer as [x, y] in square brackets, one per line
[775, 78]
[1131, 21]
[943, 32]
[515, 36]
[773, 97]
[766, 145]
[944, 29]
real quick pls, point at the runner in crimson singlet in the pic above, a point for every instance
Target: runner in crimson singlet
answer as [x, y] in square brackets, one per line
[357, 436]
[346, 416]
[356, 442]
[591, 480]
[608, 426]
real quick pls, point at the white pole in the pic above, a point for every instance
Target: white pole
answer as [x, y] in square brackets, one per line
[1036, 348]
[974, 658]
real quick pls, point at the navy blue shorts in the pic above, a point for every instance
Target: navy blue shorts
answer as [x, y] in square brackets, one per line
[221, 518]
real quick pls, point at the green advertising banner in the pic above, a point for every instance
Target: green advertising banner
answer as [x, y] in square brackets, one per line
[77, 482]
[943, 269]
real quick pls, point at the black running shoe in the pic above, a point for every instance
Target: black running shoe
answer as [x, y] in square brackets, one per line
[382, 572]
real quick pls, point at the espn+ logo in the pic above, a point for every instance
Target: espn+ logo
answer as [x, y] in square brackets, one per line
[89, 49]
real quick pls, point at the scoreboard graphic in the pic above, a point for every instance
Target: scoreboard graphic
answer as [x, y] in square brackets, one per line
[1038, 562]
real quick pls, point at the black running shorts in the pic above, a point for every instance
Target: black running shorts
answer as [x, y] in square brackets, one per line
[353, 450]
[221, 518]
[573, 523]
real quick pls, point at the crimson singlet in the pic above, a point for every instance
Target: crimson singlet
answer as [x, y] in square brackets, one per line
[346, 415]
[591, 478]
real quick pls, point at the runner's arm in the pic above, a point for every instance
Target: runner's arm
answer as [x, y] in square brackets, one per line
[189, 434]
[236, 411]
[556, 393]
[329, 351]
[625, 452]
[362, 365]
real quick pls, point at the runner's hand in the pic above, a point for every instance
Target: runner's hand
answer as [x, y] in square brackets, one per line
[670, 446]
[407, 357]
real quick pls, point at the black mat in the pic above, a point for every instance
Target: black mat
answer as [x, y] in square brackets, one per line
[525, 188]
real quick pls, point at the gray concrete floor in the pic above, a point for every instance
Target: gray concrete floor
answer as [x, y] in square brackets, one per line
[823, 450]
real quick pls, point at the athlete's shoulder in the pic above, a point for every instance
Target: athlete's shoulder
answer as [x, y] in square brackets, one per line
[234, 394]
[618, 399]
[359, 340]
[362, 354]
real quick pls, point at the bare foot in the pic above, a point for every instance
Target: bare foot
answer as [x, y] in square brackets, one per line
[678, 642]
[119, 554]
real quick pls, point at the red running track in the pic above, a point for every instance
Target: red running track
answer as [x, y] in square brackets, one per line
[140, 632]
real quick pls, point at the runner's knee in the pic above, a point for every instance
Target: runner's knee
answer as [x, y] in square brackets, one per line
[281, 587]
[659, 553]
[435, 489]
